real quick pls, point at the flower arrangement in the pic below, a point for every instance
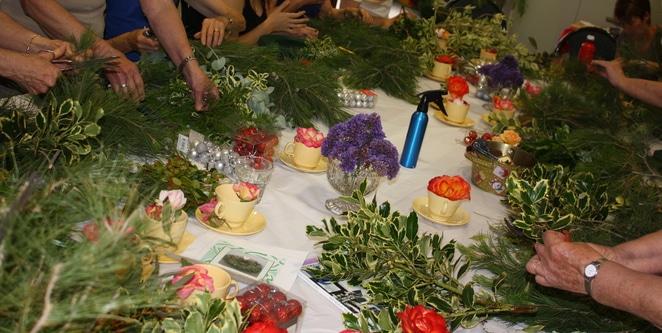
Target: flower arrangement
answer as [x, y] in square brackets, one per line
[199, 280]
[457, 87]
[246, 192]
[504, 75]
[309, 137]
[360, 142]
[167, 208]
[451, 187]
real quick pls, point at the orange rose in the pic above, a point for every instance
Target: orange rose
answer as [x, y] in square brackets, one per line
[451, 187]
[457, 86]
[510, 137]
[419, 319]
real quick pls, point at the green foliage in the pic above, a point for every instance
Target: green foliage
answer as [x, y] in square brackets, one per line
[382, 252]
[207, 316]
[551, 198]
[177, 172]
[469, 36]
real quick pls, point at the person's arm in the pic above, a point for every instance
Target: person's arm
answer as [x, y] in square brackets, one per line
[59, 23]
[641, 254]
[33, 72]
[214, 9]
[277, 22]
[164, 20]
[135, 41]
[560, 264]
[647, 91]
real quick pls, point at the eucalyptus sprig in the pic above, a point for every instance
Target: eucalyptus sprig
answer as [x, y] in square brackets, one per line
[382, 252]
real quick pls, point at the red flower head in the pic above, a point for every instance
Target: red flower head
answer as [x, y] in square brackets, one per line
[419, 319]
[446, 59]
[451, 187]
[457, 86]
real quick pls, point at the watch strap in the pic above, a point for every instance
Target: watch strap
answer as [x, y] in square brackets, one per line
[588, 280]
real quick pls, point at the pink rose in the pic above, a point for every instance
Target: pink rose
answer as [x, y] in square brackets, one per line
[246, 191]
[200, 281]
[176, 198]
[531, 89]
[309, 137]
[503, 104]
[208, 209]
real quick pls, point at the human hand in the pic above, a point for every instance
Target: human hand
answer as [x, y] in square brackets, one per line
[305, 32]
[560, 264]
[280, 21]
[361, 13]
[201, 87]
[125, 78]
[611, 70]
[34, 72]
[212, 31]
[142, 43]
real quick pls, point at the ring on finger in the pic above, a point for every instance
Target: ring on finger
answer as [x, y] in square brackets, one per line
[217, 30]
[123, 85]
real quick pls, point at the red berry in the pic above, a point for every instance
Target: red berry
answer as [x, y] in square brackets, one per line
[487, 136]
[473, 134]
[468, 140]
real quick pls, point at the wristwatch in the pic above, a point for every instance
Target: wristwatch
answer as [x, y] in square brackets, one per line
[590, 272]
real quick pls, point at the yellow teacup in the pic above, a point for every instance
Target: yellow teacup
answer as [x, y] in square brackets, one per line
[225, 192]
[509, 113]
[456, 113]
[235, 213]
[224, 286]
[303, 155]
[441, 70]
[442, 208]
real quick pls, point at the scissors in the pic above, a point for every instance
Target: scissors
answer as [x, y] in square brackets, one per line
[69, 65]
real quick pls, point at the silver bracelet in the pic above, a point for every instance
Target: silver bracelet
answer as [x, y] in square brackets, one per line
[185, 61]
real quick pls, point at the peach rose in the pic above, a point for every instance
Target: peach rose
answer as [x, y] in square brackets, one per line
[510, 137]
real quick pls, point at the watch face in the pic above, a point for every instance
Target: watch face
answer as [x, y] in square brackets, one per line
[590, 270]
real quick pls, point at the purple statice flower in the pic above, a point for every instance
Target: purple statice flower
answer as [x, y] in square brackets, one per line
[361, 142]
[504, 74]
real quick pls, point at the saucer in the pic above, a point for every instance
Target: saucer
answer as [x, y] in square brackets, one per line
[486, 118]
[468, 122]
[255, 223]
[436, 78]
[421, 207]
[187, 239]
[288, 160]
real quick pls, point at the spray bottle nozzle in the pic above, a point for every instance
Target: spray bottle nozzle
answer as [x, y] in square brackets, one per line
[435, 96]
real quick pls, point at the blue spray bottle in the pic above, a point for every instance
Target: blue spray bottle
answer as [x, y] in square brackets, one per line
[417, 126]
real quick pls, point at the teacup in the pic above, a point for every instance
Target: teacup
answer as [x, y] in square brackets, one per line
[441, 70]
[509, 113]
[225, 192]
[442, 208]
[235, 213]
[224, 286]
[302, 155]
[455, 112]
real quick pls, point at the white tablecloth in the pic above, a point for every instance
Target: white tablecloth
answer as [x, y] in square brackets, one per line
[294, 199]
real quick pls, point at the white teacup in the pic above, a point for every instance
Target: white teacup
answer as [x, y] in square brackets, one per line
[303, 155]
[441, 70]
[442, 208]
[224, 286]
[455, 112]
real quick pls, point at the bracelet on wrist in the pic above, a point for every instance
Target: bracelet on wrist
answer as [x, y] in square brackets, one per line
[27, 49]
[186, 61]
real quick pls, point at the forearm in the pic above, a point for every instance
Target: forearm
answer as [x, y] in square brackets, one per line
[628, 290]
[210, 8]
[641, 254]
[252, 37]
[54, 20]
[165, 22]
[644, 90]
[122, 43]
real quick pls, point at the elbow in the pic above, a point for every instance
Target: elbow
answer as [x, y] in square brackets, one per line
[29, 7]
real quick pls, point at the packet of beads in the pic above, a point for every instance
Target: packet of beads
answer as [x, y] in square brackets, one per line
[362, 98]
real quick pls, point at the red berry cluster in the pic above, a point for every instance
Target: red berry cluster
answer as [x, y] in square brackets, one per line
[252, 141]
[473, 135]
[268, 304]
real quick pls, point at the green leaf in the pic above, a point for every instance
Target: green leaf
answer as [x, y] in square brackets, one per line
[468, 295]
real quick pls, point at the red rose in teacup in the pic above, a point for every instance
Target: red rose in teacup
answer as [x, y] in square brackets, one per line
[451, 187]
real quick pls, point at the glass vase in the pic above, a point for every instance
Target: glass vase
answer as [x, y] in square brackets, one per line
[346, 183]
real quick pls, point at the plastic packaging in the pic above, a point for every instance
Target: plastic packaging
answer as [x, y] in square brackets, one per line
[417, 126]
[587, 49]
